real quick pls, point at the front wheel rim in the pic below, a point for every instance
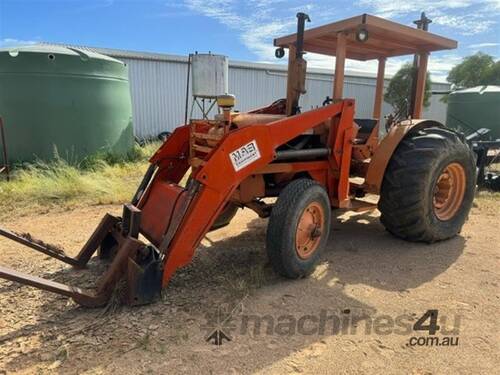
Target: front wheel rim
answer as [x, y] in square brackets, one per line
[449, 191]
[310, 228]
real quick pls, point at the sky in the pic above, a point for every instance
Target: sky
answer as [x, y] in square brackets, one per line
[242, 30]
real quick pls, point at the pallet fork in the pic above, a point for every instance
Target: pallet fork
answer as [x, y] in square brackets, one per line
[130, 260]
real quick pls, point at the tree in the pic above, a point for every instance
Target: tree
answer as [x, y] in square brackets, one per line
[398, 93]
[475, 70]
[493, 76]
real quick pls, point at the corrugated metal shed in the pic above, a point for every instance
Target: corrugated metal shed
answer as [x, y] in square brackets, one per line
[158, 89]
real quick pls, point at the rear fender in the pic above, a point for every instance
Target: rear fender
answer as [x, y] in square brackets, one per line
[385, 149]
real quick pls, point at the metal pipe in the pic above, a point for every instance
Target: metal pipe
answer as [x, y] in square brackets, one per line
[144, 184]
[310, 152]
[302, 18]
[422, 24]
[297, 68]
[187, 89]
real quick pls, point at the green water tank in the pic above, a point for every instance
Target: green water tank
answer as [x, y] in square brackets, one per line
[68, 100]
[475, 108]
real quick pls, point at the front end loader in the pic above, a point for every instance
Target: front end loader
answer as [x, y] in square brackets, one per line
[311, 162]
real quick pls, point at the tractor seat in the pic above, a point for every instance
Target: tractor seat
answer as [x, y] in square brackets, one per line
[366, 126]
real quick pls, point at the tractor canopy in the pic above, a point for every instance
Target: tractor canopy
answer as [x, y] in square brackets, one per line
[363, 38]
[369, 37]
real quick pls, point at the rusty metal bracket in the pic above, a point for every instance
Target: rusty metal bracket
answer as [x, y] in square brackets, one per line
[144, 276]
[131, 221]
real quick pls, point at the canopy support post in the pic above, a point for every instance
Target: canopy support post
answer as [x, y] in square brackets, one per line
[420, 89]
[340, 54]
[379, 90]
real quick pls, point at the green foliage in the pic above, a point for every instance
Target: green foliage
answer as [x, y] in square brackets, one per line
[100, 179]
[493, 75]
[399, 91]
[475, 70]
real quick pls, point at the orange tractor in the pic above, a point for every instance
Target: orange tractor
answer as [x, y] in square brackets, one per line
[313, 162]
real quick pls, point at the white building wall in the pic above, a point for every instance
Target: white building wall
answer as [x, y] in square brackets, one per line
[158, 89]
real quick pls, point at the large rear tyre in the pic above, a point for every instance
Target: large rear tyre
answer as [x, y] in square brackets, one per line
[298, 228]
[428, 186]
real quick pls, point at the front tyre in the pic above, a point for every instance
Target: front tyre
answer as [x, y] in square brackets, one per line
[298, 228]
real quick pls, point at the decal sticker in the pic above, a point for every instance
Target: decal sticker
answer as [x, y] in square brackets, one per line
[244, 155]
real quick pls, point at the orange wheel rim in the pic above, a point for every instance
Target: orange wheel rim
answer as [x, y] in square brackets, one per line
[449, 191]
[309, 230]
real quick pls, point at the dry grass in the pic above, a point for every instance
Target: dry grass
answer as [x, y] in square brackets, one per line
[488, 196]
[102, 179]
[486, 203]
[41, 186]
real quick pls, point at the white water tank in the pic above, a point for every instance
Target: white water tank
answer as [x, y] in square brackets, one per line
[210, 75]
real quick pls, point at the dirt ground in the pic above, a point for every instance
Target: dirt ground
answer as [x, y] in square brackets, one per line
[367, 278]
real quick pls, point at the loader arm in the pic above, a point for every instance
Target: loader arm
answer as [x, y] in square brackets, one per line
[215, 181]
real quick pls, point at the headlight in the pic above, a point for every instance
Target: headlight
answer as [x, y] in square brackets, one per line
[279, 53]
[362, 35]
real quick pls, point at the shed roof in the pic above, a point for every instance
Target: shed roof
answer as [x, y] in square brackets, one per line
[151, 56]
[386, 39]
